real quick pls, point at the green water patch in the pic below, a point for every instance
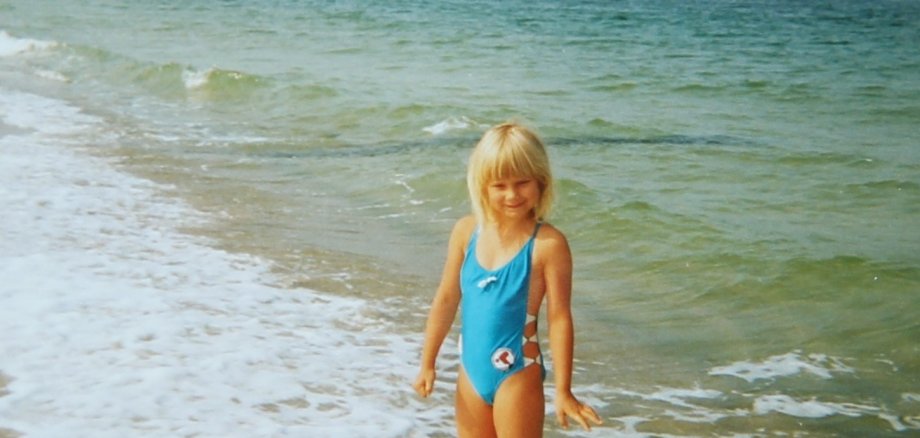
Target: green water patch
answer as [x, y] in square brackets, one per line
[306, 93]
[170, 81]
[214, 85]
[219, 85]
[712, 307]
[906, 112]
[617, 87]
[161, 80]
[874, 188]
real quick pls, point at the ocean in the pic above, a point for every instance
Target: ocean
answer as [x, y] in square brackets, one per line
[228, 218]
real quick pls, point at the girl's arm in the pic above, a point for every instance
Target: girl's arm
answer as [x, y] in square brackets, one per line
[443, 307]
[557, 273]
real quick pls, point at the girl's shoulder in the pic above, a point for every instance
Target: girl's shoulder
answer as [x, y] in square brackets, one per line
[465, 225]
[551, 240]
[548, 232]
[463, 229]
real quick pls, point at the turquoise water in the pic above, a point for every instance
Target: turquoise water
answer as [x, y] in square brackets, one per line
[739, 181]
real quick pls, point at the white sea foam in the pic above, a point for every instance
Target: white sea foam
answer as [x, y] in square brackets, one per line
[698, 405]
[195, 78]
[788, 364]
[814, 408]
[688, 404]
[787, 405]
[52, 75]
[10, 45]
[676, 396]
[450, 124]
[115, 324]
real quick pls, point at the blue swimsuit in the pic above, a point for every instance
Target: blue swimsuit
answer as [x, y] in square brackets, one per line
[494, 313]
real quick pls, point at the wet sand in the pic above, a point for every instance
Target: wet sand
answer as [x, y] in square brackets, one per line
[6, 433]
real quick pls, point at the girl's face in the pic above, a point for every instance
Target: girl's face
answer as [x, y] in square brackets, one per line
[513, 198]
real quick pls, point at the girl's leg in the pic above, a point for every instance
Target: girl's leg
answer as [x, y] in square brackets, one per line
[474, 416]
[519, 404]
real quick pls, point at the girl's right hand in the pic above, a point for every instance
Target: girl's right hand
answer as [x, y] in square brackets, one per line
[424, 383]
[569, 406]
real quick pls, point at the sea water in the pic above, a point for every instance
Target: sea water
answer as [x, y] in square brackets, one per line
[228, 218]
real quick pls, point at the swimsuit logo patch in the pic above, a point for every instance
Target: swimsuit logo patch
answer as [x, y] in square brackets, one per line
[502, 359]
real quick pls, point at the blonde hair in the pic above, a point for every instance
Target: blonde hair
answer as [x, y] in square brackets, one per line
[506, 151]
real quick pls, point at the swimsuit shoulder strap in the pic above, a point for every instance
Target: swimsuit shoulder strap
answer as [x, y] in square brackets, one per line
[532, 242]
[473, 237]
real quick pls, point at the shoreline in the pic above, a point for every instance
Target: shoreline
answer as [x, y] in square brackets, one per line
[4, 382]
[107, 301]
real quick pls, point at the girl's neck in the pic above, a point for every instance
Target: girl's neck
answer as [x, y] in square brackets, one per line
[511, 230]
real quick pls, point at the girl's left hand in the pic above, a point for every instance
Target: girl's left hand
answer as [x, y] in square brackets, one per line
[569, 406]
[424, 383]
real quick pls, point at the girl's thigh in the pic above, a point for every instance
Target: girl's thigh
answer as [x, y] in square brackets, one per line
[519, 404]
[474, 415]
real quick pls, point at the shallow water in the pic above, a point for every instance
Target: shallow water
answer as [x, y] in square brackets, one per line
[739, 182]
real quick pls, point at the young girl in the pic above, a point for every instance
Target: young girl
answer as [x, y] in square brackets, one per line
[501, 262]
